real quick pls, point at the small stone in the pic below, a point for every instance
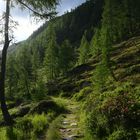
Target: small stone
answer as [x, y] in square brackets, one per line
[73, 124]
[65, 122]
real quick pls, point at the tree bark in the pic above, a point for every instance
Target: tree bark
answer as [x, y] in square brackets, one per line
[7, 118]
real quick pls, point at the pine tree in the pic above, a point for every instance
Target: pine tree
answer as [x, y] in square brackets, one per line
[38, 8]
[51, 57]
[12, 76]
[66, 55]
[83, 50]
[25, 71]
[95, 44]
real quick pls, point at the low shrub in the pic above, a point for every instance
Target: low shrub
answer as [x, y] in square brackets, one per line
[2, 133]
[53, 131]
[39, 92]
[122, 134]
[106, 113]
[39, 123]
[83, 94]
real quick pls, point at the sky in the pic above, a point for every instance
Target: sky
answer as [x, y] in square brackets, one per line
[26, 25]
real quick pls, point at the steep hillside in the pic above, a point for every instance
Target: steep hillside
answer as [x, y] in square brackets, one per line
[78, 76]
[72, 25]
[112, 114]
[127, 69]
[79, 85]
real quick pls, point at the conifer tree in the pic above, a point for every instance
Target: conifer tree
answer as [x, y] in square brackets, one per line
[12, 76]
[95, 44]
[42, 8]
[108, 35]
[51, 57]
[83, 50]
[66, 55]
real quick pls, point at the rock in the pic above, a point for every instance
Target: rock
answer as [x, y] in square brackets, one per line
[73, 124]
[65, 122]
[85, 84]
[65, 130]
[22, 111]
[45, 106]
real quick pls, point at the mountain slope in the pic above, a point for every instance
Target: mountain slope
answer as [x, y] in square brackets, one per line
[127, 69]
[72, 25]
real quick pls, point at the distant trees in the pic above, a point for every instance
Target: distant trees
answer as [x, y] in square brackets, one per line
[34, 63]
[58, 58]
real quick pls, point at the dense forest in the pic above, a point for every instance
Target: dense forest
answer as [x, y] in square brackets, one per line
[77, 77]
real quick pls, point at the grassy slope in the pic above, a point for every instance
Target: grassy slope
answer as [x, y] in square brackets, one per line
[127, 69]
[78, 82]
[126, 58]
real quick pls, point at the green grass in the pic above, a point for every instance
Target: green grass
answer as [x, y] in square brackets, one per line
[53, 132]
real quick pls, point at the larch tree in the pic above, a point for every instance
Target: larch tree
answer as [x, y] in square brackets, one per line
[95, 44]
[51, 57]
[41, 8]
[108, 35]
[66, 55]
[83, 50]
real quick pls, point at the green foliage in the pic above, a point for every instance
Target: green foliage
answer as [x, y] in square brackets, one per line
[114, 115]
[53, 131]
[39, 92]
[100, 77]
[51, 57]
[66, 57]
[81, 96]
[14, 134]
[123, 109]
[121, 134]
[12, 76]
[29, 127]
[95, 44]
[83, 50]
[39, 123]
[29, 58]
[3, 134]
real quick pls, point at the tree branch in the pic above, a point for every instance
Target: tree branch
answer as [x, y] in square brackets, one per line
[44, 15]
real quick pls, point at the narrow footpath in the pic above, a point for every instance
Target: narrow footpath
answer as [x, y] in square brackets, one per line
[70, 124]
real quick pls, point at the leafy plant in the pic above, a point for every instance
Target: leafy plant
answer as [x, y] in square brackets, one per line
[39, 123]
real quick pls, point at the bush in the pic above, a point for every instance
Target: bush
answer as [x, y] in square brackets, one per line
[111, 110]
[53, 131]
[97, 125]
[121, 134]
[46, 106]
[22, 130]
[39, 123]
[39, 92]
[29, 127]
[3, 134]
[122, 109]
[83, 94]
[13, 133]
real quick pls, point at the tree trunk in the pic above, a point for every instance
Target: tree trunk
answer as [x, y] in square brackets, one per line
[4, 108]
